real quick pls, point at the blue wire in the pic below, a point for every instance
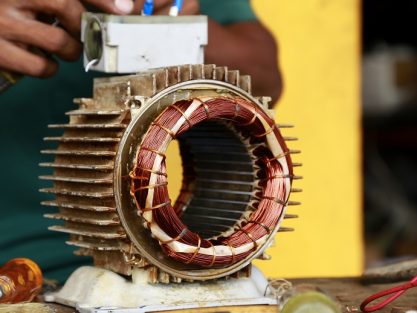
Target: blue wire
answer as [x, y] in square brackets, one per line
[178, 4]
[148, 7]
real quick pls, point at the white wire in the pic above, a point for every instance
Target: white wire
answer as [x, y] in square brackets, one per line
[90, 64]
[174, 11]
[277, 288]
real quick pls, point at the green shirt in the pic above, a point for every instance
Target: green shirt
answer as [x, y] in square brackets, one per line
[27, 109]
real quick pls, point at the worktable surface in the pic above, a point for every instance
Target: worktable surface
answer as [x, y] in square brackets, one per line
[348, 291]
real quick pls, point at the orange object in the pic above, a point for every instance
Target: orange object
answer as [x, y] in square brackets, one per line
[20, 281]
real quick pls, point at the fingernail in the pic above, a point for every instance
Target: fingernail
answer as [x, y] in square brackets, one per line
[125, 6]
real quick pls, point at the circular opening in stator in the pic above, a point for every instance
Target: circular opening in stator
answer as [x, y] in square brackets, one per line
[217, 179]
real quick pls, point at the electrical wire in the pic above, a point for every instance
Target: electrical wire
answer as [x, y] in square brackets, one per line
[148, 8]
[149, 182]
[176, 8]
[91, 64]
[395, 292]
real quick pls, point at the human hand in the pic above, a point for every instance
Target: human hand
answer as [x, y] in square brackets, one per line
[22, 29]
[161, 7]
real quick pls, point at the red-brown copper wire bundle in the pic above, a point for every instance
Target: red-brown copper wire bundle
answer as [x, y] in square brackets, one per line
[149, 182]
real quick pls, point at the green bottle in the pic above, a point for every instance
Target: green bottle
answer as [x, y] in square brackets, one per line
[308, 299]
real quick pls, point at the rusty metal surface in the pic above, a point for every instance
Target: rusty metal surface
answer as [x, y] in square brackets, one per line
[92, 158]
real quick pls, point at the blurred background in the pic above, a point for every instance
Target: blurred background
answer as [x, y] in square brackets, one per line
[350, 71]
[389, 96]
[320, 57]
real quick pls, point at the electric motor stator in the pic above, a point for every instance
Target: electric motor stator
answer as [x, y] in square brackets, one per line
[110, 184]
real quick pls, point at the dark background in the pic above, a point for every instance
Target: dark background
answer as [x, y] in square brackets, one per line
[389, 46]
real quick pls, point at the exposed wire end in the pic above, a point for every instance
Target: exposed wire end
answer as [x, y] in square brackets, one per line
[90, 64]
[176, 8]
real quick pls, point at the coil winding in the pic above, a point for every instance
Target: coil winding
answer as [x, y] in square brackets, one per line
[149, 182]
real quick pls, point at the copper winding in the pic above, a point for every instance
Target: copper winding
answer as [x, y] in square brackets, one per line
[183, 114]
[237, 108]
[249, 236]
[183, 232]
[153, 151]
[132, 175]
[213, 260]
[268, 230]
[270, 130]
[195, 252]
[169, 131]
[156, 207]
[150, 191]
[255, 116]
[279, 156]
[232, 251]
[206, 109]
[150, 186]
[279, 176]
[284, 203]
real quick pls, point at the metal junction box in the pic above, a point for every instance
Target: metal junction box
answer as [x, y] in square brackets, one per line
[129, 44]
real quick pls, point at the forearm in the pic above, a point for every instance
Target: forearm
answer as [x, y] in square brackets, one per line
[250, 48]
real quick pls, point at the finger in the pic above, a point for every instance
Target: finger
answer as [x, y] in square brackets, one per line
[190, 7]
[49, 38]
[25, 62]
[138, 6]
[162, 7]
[162, 4]
[67, 11]
[113, 6]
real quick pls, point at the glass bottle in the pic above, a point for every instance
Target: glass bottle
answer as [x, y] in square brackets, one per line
[308, 299]
[20, 281]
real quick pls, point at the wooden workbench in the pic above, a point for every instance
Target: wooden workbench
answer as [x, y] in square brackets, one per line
[348, 291]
